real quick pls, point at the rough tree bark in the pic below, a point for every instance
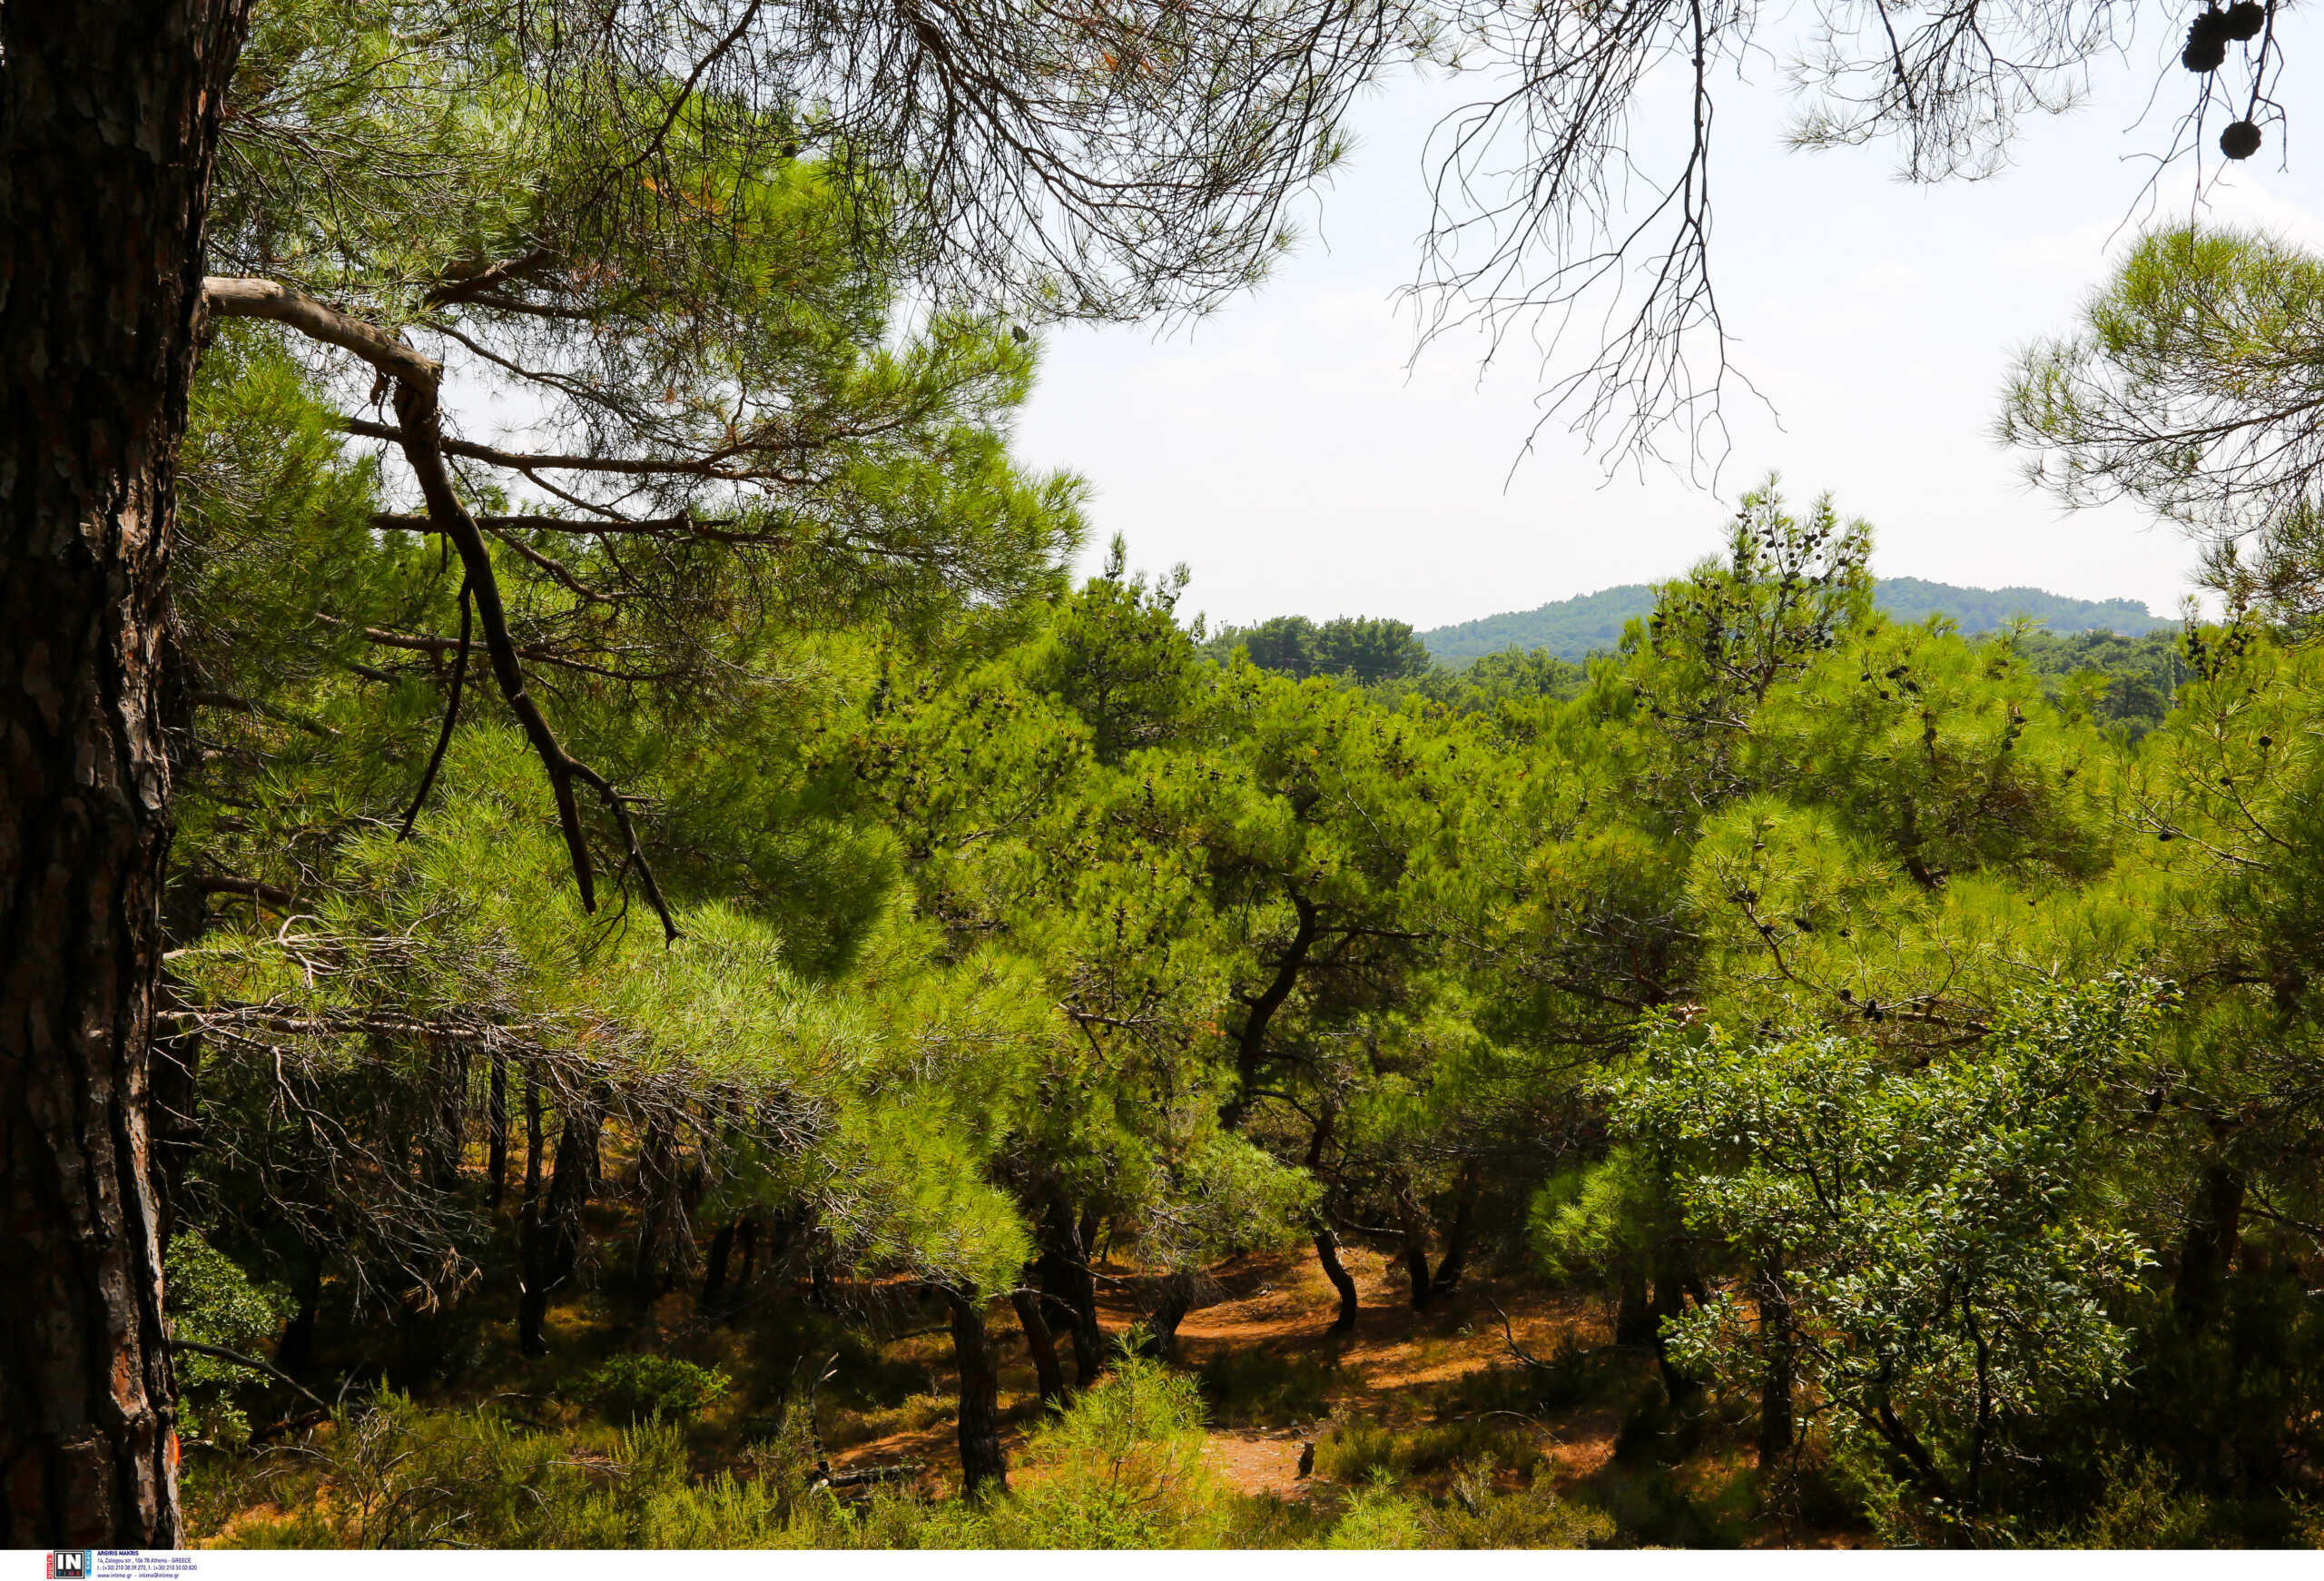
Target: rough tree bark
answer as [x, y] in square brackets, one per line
[1327, 1252]
[1455, 1262]
[984, 1468]
[109, 118]
[1411, 1227]
[1063, 1272]
[1041, 1343]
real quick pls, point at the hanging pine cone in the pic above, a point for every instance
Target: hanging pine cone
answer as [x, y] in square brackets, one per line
[2239, 140]
[2206, 42]
[2245, 18]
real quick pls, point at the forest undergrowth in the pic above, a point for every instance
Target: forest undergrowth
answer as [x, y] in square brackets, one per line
[1504, 1416]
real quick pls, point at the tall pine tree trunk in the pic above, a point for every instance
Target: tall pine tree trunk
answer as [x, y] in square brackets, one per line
[1635, 1320]
[1327, 1252]
[1411, 1227]
[295, 1352]
[1456, 1242]
[1172, 1301]
[109, 116]
[984, 1468]
[665, 1251]
[1063, 1272]
[1669, 1301]
[443, 1137]
[551, 1252]
[1042, 1344]
[747, 1233]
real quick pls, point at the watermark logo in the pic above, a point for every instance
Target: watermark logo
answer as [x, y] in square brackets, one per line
[70, 1565]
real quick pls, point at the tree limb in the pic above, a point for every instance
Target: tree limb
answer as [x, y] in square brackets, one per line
[251, 888]
[421, 435]
[221, 1353]
[713, 528]
[451, 718]
[712, 466]
[412, 643]
[233, 298]
[461, 287]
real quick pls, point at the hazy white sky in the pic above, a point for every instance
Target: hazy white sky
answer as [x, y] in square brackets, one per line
[1282, 450]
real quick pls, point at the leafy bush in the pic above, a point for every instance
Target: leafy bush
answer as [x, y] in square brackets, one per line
[212, 1301]
[634, 1388]
[1358, 1453]
[2143, 1507]
[1655, 1506]
[1941, 1234]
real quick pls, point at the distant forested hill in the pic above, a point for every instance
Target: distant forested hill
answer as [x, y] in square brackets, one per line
[1977, 610]
[1577, 626]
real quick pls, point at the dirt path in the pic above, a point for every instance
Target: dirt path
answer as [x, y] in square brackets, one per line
[1269, 1316]
[1394, 1364]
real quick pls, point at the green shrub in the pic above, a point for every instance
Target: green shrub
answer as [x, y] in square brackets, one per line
[1479, 1516]
[1653, 1507]
[1380, 1518]
[2144, 1508]
[1356, 1452]
[393, 1475]
[213, 1301]
[1121, 1467]
[635, 1388]
[1475, 1514]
